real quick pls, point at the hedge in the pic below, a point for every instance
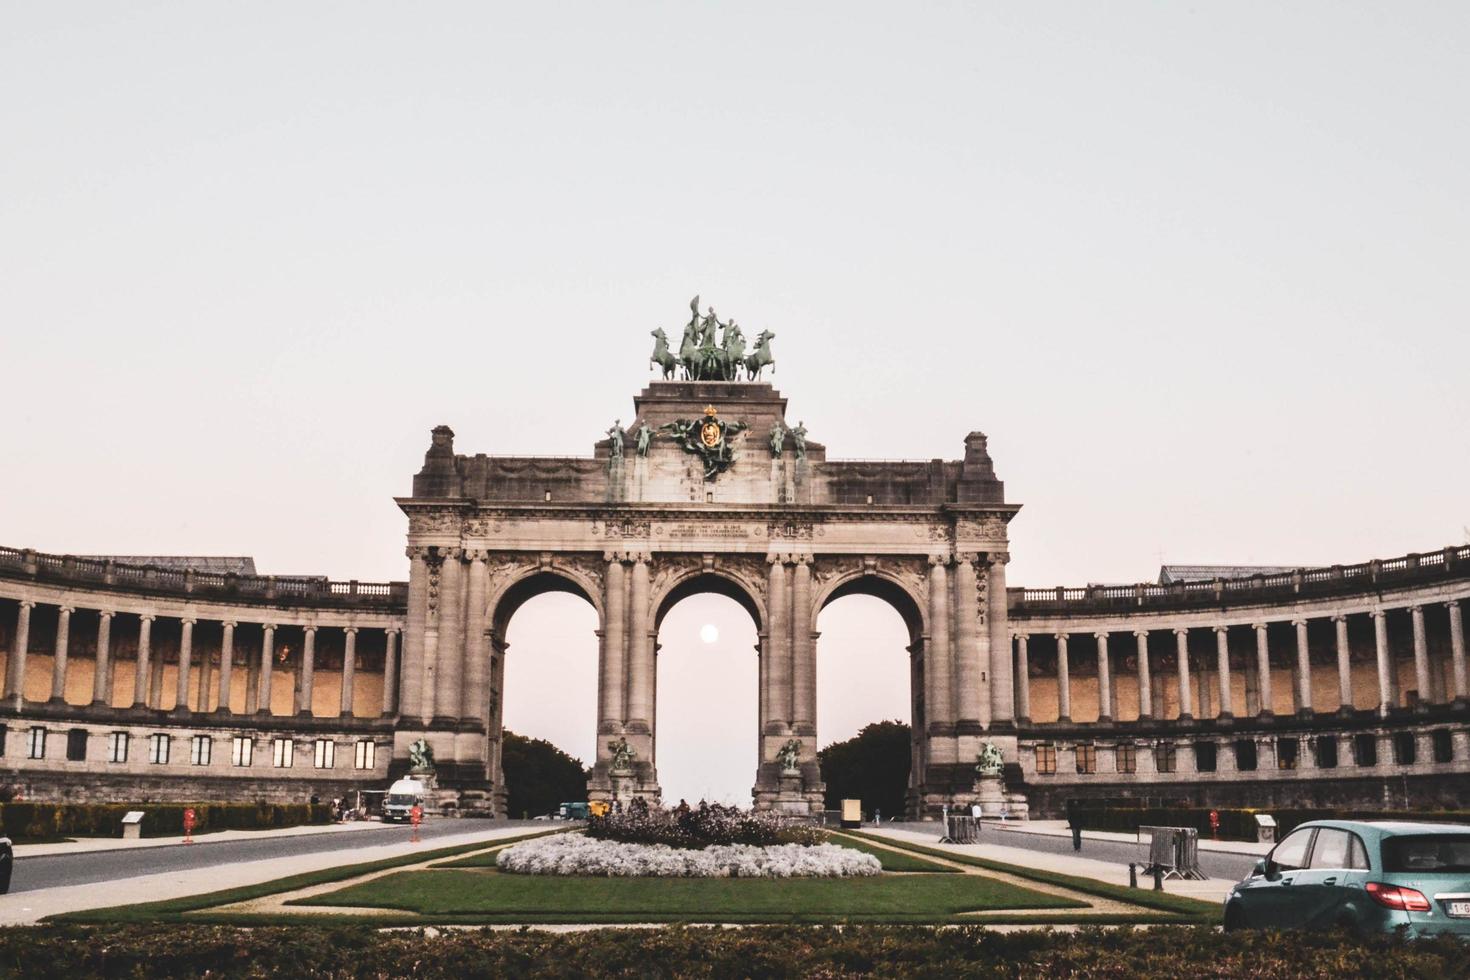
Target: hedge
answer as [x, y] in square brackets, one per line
[1240, 823]
[39, 821]
[325, 950]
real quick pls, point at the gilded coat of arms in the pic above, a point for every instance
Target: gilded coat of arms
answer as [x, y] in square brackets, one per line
[708, 438]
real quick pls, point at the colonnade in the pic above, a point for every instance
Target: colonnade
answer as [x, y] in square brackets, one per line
[1259, 677]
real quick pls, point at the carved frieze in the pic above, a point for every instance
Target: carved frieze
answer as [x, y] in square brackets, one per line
[790, 530]
[621, 528]
[434, 522]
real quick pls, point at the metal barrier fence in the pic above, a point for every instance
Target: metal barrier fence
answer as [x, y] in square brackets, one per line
[1174, 852]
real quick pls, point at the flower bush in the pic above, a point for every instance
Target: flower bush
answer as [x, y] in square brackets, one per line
[702, 826]
[575, 854]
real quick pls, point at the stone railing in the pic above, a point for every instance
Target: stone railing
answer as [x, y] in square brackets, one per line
[69, 570]
[1302, 583]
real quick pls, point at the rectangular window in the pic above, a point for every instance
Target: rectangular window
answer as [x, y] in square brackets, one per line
[283, 753]
[1286, 750]
[326, 753]
[117, 747]
[36, 744]
[76, 745]
[1165, 756]
[1086, 758]
[242, 751]
[1405, 751]
[158, 749]
[1326, 746]
[1245, 755]
[1204, 756]
[1444, 746]
[201, 747]
[1365, 750]
[1046, 760]
[367, 752]
[1127, 757]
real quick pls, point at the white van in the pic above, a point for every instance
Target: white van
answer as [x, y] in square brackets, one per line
[402, 797]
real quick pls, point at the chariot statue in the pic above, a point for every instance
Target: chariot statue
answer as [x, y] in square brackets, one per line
[701, 358]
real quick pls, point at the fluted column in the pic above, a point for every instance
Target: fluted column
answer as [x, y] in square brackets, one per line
[102, 676]
[142, 672]
[778, 646]
[1344, 664]
[803, 650]
[308, 672]
[613, 662]
[1186, 682]
[1457, 649]
[640, 648]
[1023, 678]
[1145, 680]
[267, 666]
[1104, 678]
[937, 658]
[474, 704]
[349, 669]
[1064, 680]
[390, 672]
[1222, 669]
[450, 651]
[1380, 646]
[226, 665]
[411, 695]
[186, 660]
[1303, 668]
[15, 667]
[1421, 656]
[967, 665]
[59, 658]
[997, 637]
[1263, 668]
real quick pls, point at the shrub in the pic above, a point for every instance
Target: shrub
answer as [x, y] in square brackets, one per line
[574, 854]
[1237, 823]
[702, 826]
[32, 821]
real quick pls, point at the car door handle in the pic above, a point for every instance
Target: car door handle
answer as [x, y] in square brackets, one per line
[1286, 881]
[1330, 881]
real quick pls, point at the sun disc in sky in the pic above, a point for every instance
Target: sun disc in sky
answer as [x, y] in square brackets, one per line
[709, 633]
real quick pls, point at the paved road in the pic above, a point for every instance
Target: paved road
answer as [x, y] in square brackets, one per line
[60, 870]
[1216, 864]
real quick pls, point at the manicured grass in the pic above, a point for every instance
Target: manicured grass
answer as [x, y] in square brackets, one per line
[489, 860]
[886, 897]
[892, 860]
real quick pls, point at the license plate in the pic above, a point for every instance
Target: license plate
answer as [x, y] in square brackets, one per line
[1459, 909]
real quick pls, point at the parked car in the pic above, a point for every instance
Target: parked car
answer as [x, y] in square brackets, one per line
[1364, 876]
[7, 864]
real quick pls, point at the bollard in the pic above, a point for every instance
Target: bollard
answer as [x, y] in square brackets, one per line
[1158, 879]
[1132, 875]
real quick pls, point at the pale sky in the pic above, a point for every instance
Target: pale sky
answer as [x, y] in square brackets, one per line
[1197, 270]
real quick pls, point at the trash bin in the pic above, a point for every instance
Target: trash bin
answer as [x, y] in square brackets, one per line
[132, 825]
[1265, 828]
[852, 813]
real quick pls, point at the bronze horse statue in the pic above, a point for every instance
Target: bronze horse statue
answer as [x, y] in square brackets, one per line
[761, 356]
[661, 355]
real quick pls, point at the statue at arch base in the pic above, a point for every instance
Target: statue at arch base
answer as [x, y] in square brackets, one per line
[621, 773]
[994, 800]
[789, 779]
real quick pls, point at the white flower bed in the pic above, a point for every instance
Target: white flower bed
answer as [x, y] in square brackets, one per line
[574, 854]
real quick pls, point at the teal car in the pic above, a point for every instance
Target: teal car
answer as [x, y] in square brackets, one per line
[1364, 876]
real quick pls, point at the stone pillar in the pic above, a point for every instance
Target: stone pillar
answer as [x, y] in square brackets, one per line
[1344, 665]
[641, 666]
[226, 665]
[803, 651]
[411, 704]
[968, 666]
[1380, 644]
[1421, 656]
[778, 647]
[1222, 671]
[102, 676]
[1064, 680]
[474, 703]
[1104, 678]
[1303, 668]
[1023, 679]
[1145, 682]
[349, 669]
[390, 672]
[613, 663]
[267, 665]
[1457, 650]
[940, 691]
[1002, 681]
[1186, 683]
[142, 671]
[15, 667]
[308, 672]
[450, 650]
[58, 663]
[186, 661]
[1263, 668]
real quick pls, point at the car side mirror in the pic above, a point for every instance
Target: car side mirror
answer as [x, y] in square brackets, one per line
[1260, 869]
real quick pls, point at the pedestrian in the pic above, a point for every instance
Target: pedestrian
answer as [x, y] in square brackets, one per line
[1074, 823]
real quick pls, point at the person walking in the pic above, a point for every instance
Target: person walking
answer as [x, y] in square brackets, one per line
[1074, 823]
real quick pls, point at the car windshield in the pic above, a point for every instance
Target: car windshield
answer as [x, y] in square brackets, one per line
[400, 799]
[1427, 853]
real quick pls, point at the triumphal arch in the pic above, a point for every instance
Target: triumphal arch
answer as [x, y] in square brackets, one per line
[710, 488]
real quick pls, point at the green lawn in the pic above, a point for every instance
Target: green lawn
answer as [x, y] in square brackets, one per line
[891, 860]
[548, 897]
[473, 861]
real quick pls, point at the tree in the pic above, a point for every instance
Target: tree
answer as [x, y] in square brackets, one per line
[539, 777]
[872, 766]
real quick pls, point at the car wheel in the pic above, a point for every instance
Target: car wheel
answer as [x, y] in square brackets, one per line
[1234, 918]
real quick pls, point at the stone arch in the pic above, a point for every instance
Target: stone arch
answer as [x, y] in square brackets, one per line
[697, 580]
[880, 584]
[510, 593]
